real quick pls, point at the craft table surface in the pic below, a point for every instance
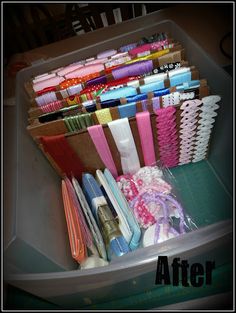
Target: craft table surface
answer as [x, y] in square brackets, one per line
[205, 23]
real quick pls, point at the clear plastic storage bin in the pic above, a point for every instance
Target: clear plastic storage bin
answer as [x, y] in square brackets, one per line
[37, 252]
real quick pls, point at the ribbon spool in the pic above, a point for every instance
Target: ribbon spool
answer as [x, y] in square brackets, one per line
[138, 68]
[188, 125]
[167, 136]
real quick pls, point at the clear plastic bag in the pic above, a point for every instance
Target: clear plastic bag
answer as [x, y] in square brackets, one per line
[152, 194]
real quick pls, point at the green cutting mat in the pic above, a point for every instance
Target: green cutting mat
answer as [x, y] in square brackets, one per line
[202, 194]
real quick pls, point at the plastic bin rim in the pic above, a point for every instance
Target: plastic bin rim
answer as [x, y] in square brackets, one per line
[214, 232]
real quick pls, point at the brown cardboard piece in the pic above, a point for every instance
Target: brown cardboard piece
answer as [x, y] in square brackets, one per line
[177, 51]
[58, 126]
[85, 149]
[36, 112]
